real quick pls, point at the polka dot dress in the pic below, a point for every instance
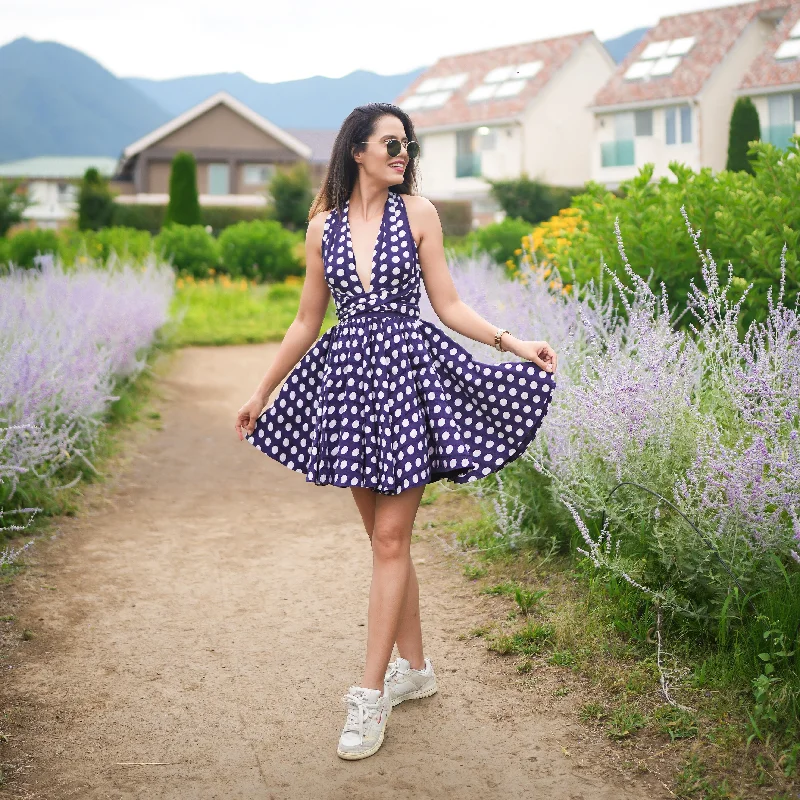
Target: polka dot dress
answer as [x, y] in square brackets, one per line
[387, 401]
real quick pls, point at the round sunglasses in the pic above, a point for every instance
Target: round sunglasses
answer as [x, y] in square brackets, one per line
[393, 147]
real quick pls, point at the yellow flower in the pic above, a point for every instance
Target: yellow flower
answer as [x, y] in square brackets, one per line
[546, 272]
[518, 252]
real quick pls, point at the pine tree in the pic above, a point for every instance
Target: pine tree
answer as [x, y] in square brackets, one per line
[184, 206]
[95, 202]
[745, 128]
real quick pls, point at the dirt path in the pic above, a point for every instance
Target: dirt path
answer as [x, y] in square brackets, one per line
[208, 612]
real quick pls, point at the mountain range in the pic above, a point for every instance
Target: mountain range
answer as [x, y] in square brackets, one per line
[55, 100]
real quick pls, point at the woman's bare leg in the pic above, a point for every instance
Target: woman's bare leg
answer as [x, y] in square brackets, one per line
[409, 634]
[391, 578]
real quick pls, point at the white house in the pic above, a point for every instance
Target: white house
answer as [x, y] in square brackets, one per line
[773, 81]
[503, 112]
[52, 184]
[671, 99]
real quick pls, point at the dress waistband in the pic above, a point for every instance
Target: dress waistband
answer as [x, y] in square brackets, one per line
[409, 312]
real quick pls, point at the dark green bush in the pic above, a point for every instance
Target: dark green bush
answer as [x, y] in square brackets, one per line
[745, 128]
[530, 200]
[4, 250]
[455, 216]
[221, 217]
[142, 217]
[261, 250]
[13, 201]
[184, 206]
[500, 239]
[95, 202]
[190, 248]
[292, 195]
[24, 246]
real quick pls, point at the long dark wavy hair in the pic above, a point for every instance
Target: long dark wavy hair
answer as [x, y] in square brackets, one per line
[340, 177]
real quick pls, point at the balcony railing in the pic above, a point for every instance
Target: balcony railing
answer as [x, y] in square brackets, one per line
[617, 154]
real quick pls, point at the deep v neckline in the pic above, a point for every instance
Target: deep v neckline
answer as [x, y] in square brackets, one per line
[374, 249]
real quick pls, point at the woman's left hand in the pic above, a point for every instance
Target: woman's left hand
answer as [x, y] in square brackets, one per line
[539, 352]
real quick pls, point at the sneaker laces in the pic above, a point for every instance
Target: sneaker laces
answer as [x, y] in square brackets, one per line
[358, 712]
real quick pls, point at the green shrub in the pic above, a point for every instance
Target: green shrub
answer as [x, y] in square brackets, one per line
[530, 200]
[13, 201]
[95, 202]
[745, 128]
[292, 196]
[221, 217]
[125, 242]
[455, 216]
[24, 246]
[190, 248]
[263, 250]
[184, 206]
[500, 239]
[142, 217]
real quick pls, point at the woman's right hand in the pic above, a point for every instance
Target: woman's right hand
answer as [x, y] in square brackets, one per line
[247, 416]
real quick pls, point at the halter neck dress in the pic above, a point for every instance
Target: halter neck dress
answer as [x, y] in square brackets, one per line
[386, 400]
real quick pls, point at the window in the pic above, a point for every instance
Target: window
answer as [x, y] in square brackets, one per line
[643, 122]
[468, 157]
[620, 152]
[782, 118]
[67, 193]
[487, 138]
[218, 179]
[257, 174]
[678, 124]
[659, 58]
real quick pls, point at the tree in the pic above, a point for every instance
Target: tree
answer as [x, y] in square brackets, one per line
[530, 200]
[184, 205]
[13, 202]
[95, 202]
[292, 196]
[744, 129]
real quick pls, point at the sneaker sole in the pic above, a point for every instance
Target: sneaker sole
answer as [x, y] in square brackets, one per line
[418, 695]
[348, 756]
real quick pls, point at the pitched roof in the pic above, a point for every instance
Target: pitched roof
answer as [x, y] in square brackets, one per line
[320, 140]
[236, 106]
[55, 167]
[474, 67]
[767, 71]
[715, 31]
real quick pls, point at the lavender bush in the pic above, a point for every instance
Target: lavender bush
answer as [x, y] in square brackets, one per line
[66, 338]
[703, 417]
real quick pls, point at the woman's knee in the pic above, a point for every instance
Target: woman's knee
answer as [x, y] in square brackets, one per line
[389, 542]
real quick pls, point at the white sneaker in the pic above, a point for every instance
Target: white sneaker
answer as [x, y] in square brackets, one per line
[404, 683]
[367, 712]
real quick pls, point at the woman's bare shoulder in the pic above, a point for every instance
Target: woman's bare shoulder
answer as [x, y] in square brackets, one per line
[421, 211]
[316, 225]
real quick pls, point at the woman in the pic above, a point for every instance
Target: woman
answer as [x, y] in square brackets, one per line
[384, 402]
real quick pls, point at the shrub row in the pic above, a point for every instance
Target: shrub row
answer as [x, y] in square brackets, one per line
[258, 250]
[151, 217]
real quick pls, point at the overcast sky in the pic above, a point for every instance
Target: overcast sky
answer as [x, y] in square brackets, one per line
[278, 41]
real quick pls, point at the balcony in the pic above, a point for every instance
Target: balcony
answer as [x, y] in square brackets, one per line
[617, 154]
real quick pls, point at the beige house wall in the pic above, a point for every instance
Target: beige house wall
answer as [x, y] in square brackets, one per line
[719, 94]
[220, 126]
[559, 125]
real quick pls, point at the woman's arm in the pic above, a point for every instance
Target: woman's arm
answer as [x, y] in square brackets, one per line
[305, 327]
[451, 310]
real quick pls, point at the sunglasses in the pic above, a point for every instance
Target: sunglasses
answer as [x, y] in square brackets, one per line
[393, 147]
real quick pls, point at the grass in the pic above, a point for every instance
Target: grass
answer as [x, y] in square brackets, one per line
[602, 630]
[219, 311]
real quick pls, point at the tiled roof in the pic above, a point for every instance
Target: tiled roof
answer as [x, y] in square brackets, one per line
[54, 167]
[320, 140]
[765, 70]
[552, 52]
[715, 30]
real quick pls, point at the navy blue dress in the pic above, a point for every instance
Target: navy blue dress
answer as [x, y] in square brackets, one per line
[386, 400]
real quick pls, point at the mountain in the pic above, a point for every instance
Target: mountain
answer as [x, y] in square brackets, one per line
[308, 103]
[622, 45]
[56, 101]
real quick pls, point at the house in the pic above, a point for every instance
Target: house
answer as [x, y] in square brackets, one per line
[500, 113]
[773, 81]
[237, 152]
[671, 99]
[52, 184]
